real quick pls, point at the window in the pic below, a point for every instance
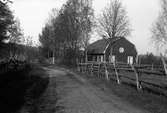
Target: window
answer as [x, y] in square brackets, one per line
[101, 58]
[112, 58]
[121, 50]
[98, 58]
[130, 59]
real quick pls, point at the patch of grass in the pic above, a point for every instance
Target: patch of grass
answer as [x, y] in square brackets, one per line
[141, 99]
[47, 102]
[39, 82]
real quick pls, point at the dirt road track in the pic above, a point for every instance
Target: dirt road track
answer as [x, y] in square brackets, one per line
[77, 95]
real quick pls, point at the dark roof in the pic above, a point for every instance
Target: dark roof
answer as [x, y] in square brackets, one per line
[99, 46]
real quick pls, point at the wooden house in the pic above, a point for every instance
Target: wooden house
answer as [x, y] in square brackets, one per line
[117, 49]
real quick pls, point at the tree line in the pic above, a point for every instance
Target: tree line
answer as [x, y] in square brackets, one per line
[66, 34]
[69, 29]
[13, 43]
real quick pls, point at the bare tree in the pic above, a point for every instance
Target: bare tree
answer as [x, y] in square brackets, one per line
[113, 21]
[159, 29]
[16, 33]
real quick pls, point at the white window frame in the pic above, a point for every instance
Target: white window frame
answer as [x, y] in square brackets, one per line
[130, 60]
[101, 58]
[112, 58]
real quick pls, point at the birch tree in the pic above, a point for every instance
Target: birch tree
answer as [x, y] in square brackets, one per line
[159, 28]
[69, 29]
[114, 22]
[159, 33]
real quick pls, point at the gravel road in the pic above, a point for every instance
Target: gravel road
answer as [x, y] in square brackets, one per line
[77, 95]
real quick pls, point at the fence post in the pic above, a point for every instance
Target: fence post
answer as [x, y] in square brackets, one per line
[164, 64]
[152, 67]
[106, 72]
[116, 72]
[78, 67]
[82, 67]
[86, 67]
[98, 70]
[91, 69]
[137, 77]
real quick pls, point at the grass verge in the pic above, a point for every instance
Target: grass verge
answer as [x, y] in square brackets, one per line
[20, 86]
[141, 99]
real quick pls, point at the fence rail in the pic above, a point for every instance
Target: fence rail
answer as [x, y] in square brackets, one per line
[139, 75]
[6, 66]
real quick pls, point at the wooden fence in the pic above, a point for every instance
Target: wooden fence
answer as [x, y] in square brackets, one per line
[141, 76]
[9, 65]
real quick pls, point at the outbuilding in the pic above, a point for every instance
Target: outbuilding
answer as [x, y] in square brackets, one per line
[117, 49]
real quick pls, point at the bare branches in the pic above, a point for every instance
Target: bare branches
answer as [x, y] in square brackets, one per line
[114, 21]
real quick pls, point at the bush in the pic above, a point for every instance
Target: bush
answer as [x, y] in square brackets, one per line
[17, 84]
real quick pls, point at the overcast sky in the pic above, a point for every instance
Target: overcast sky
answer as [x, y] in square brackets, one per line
[142, 13]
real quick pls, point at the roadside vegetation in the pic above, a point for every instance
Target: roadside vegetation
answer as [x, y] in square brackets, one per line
[143, 99]
[21, 84]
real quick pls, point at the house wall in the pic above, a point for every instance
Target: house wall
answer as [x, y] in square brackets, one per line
[121, 55]
[127, 53]
[96, 58]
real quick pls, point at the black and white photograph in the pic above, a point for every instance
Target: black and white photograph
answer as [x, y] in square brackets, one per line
[83, 56]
